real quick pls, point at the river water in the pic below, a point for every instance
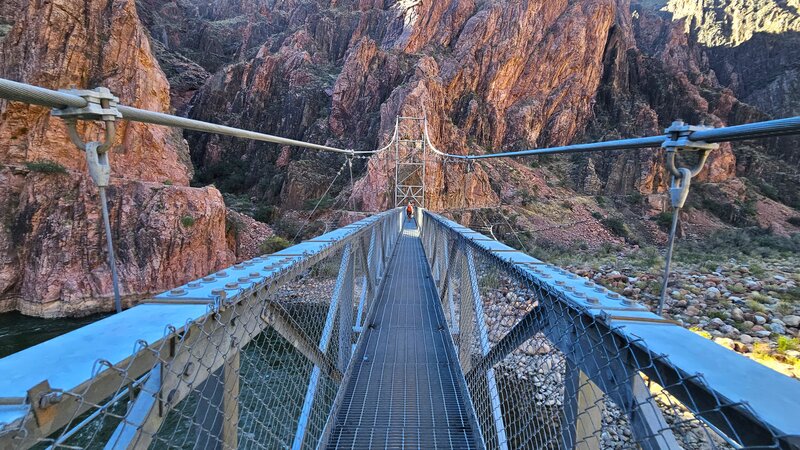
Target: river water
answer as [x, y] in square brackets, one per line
[18, 332]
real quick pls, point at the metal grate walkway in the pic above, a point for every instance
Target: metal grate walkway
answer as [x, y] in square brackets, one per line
[406, 389]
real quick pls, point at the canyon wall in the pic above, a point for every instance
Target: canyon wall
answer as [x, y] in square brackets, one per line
[51, 242]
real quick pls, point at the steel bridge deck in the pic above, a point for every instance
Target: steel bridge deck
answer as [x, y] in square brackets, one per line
[405, 389]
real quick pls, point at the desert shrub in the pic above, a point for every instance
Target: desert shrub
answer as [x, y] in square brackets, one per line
[273, 244]
[187, 221]
[664, 219]
[265, 214]
[786, 343]
[617, 226]
[45, 166]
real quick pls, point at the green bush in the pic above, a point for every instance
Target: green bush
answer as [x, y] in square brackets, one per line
[597, 215]
[785, 344]
[167, 182]
[265, 214]
[664, 219]
[273, 244]
[325, 202]
[45, 166]
[617, 226]
[187, 221]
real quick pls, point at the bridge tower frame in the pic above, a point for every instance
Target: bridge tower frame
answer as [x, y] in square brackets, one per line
[409, 170]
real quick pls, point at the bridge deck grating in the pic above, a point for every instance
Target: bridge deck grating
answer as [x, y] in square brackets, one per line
[404, 390]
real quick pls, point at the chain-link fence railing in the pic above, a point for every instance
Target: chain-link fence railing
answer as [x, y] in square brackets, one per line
[552, 360]
[253, 356]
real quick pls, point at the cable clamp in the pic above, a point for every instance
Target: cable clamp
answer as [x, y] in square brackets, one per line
[95, 109]
[679, 137]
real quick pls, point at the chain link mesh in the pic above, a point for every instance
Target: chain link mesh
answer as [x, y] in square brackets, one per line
[543, 374]
[260, 371]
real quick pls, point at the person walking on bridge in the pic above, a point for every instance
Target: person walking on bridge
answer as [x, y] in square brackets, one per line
[409, 210]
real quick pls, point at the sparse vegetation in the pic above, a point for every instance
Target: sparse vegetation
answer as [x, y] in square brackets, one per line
[45, 166]
[786, 343]
[664, 219]
[273, 244]
[617, 226]
[187, 221]
[167, 182]
[325, 202]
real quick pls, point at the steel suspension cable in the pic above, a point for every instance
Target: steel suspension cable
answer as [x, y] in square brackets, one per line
[15, 91]
[294, 240]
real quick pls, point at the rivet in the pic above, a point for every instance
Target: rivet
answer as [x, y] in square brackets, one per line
[209, 278]
[194, 284]
[221, 273]
[244, 279]
[177, 291]
[560, 282]
[588, 283]
[626, 302]
[255, 275]
[231, 285]
[238, 266]
[217, 291]
[599, 289]
[580, 295]
[613, 295]
[593, 300]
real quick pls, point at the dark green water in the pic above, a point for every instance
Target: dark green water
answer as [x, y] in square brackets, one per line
[18, 332]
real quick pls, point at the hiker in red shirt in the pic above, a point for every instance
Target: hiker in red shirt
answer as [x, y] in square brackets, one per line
[409, 210]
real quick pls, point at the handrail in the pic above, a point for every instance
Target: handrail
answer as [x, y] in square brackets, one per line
[22, 92]
[729, 391]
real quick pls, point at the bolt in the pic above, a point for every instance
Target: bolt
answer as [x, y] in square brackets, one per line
[593, 300]
[50, 398]
[244, 279]
[238, 266]
[588, 283]
[560, 282]
[209, 278]
[255, 275]
[221, 273]
[171, 396]
[178, 291]
[194, 284]
[217, 292]
[231, 285]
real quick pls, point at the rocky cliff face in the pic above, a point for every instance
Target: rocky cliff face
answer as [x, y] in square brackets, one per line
[489, 76]
[51, 241]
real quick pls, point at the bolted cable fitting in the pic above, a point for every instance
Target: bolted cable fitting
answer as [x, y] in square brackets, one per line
[678, 139]
[101, 105]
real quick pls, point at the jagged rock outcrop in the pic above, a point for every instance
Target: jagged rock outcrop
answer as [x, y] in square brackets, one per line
[490, 76]
[51, 242]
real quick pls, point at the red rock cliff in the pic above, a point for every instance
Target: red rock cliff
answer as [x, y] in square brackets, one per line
[52, 244]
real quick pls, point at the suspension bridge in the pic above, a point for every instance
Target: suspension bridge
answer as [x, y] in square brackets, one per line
[390, 332]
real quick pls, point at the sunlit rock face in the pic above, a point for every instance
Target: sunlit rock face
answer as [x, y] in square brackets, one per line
[52, 245]
[489, 76]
